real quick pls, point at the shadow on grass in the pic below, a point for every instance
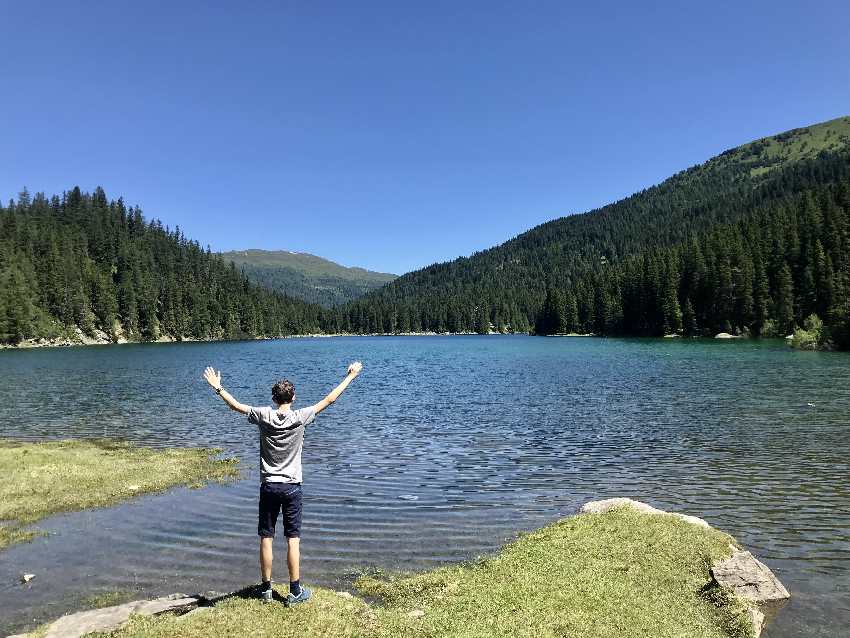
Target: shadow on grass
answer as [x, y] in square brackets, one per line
[251, 592]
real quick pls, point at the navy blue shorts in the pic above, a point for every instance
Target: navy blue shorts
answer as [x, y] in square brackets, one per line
[277, 497]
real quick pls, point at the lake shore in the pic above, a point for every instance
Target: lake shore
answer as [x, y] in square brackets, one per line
[83, 340]
[65, 342]
[620, 568]
[82, 476]
[78, 338]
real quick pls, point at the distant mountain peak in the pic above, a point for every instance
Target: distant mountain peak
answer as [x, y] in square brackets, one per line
[307, 276]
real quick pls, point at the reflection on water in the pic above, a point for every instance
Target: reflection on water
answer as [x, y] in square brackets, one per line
[442, 450]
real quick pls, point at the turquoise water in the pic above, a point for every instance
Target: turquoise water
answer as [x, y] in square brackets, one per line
[442, 450]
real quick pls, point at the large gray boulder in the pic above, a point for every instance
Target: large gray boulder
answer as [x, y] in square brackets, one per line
[753, 581]
[749, 578]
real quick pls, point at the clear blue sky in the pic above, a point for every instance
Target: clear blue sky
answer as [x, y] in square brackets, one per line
[395, 134]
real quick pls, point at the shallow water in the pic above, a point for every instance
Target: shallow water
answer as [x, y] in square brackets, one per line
[441, 451]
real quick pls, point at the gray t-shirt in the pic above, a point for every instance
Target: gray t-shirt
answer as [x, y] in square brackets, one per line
[281, 441]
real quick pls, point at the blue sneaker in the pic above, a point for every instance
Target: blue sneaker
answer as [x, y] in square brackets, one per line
[304, 595]
[267, 595]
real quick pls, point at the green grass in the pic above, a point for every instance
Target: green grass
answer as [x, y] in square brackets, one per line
[798, 144]
[622, 574]
[40, 479]
[110, 598]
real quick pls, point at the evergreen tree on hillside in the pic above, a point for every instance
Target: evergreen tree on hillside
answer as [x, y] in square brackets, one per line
[548, 317]
[784, 300]
[482, 323]
[567, 313]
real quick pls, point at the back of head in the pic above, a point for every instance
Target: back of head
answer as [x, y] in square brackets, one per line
[283, 392]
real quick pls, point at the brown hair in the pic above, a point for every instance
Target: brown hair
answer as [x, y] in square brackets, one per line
[283, 392]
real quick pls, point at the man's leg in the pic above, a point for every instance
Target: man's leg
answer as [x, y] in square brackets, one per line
[268, 512]
[292, 527]
[266, 556]
[293, 559]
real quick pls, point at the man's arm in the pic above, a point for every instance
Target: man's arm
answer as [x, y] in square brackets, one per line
[353, 370]
[214, 379]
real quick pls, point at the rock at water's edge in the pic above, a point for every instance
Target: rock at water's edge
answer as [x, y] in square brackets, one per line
[600, 507]
[749, 578]
[110, 618]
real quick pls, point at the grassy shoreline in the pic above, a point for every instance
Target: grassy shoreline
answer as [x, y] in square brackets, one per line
[619, 574]
[83, 475]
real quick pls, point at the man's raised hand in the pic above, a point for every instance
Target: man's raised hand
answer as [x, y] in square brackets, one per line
[213, 377]
[353, 370]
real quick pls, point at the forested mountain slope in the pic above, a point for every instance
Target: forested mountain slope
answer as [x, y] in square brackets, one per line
[81, 261]
[306, 276]
[756, 240]
[756, 214]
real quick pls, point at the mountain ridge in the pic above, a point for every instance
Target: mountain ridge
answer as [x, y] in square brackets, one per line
[508, 282]
[306, 276]
[753, 241]
[739, 153]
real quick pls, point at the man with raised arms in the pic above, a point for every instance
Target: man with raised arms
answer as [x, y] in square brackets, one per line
[281, 431]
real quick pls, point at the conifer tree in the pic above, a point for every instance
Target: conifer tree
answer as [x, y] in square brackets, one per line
[785, 300]
[482, 324]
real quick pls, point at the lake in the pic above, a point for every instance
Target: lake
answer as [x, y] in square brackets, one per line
[442, 450]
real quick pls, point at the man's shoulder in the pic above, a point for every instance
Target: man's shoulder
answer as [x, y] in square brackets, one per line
[259, 413]
[305, 415]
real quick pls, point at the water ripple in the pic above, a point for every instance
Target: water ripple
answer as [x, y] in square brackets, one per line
[442, 450]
